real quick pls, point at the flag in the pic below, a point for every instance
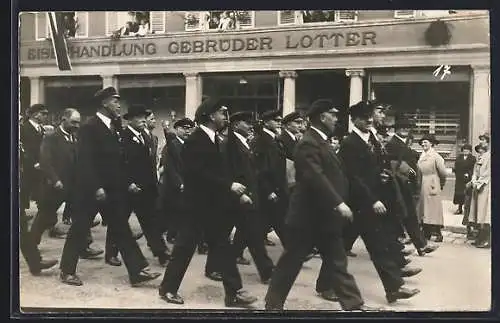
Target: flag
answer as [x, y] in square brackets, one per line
[59, 41]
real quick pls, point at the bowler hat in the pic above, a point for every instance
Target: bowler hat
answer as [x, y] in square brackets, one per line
[479, 147]
[292, 117]
[136, 110]
[241, 116]
[320, 106]
[362, 109]
[208, 106]
[466, 146]
[184, 122]
[271, 115]
[35, 108]
[106, 93]
[429, 137]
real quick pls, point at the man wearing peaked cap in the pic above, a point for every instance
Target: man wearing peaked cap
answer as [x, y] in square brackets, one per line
[106, 93]
[136, 110]
[210, 106]
[241, 116]
[184, 122]
[321, 106]
[293, 124]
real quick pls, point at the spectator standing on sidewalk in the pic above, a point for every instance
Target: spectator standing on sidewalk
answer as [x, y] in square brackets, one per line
[463, 169]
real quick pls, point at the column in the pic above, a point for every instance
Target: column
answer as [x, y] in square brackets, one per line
[109, 80]
[481, 99]
[288, 91]
[37, 90]
[356, 88]
[193, 93]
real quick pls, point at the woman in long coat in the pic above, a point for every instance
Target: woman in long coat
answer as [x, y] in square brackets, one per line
[463, 169]
[432, 178]
[480, 207]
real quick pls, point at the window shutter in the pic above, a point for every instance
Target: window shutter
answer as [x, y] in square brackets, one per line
[286, 17]
[404, 13]
[41, 26]
[157, 22]
[192, 20]
[111, 22]
[346, 15]
[82, 17]
[246, 18]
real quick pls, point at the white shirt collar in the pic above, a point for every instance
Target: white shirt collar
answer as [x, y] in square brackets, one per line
[242, 139]
[180, 139]
[209, 132]
[64, 131]
[135, 132]
[35, 124]
[269, 132]
[146, 130]
[291, 134]
[106, 120]
[400, 138]
[321, 133]
[362, 135]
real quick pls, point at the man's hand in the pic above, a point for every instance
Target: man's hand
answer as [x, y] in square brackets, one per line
[58, 185]
[245, 199]
[37, 166]
[344, 211]
[238, 188]
[379, 208]
[100, 195]
[272, 197]
[134, 188]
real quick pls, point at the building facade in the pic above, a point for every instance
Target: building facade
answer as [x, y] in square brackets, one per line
[263, 60]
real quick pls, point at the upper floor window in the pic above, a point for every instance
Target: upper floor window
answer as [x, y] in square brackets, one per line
[290, 17]
[135, 23]
[219, 20]
[405, 13]
[75, 24]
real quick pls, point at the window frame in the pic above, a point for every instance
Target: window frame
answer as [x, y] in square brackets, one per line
[300, 22]
[47, 25]
[403, 16]
[204, 26]
[164, 19]
[295, 20]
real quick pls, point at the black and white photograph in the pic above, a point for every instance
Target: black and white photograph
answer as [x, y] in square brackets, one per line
[254, 160]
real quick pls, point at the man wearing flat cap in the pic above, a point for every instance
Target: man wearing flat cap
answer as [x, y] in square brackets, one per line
[361, 156]
[270, 157]
[208, 192]
[463, 169]
[292, 127]
[102, 187]
[241, 164]
[318, 212]
[141, 182]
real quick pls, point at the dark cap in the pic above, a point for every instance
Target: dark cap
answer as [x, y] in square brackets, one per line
[402, 121]
[429, 137]
[241, 116]
[362, 109]
[479, 147]
[466, 146]
[320, 106]
[271, 115]
[136, 110]
[35, 108]
[292, 117]
[106, 93]
[380, 105]
[208, 106]
[184, 122]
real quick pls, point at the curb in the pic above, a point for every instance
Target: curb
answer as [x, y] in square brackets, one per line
[455, 229]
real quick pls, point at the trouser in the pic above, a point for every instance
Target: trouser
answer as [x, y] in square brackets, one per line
[484, 235]
[274, 212]
[414, 231]
[248, 232]
[431, 229]
[27, 245]
[117, 227]
[185, 245]
[46, 217]
[392, 227]
[350, 235]
[334, 267]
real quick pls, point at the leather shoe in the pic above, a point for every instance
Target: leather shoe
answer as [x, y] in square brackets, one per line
[409, 272]
[203, 249]
[44, 264]
[113, 261]
[269, 243]
[163, 259]
[406, 261]
[329, 295]
[401, 293]
[349, 253]
[242, 261]
[407, 252]
[483, 245]
[309, 257]
[214, 276]
[173, 298]
[138, 235]
[240, 299]
[70, 279]
[90, 253]
[439, 238]
[427, 249]
[143, 276]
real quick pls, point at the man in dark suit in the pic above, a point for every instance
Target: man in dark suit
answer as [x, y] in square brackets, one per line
[250, 226]
[270, 159]
[361, 155]
[292, 124]
[463, 169]
[102, 187]
[317, 214]
[31, 135]
[141, 180]
[208, 190]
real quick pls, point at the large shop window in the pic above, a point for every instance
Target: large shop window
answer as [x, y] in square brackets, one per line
[291, 17]
[76, 24]
[219, 20]
[135, 23]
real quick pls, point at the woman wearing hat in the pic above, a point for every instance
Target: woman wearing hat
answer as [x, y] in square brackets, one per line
[464, 166]
[432, 177]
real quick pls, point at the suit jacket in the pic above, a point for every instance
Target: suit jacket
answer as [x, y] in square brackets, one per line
[363, 168]
[140, 167]
[58, 158]
[271, 166]
[463, 169]
[288, 144]
[173, 168]
[242, 166]
[100, 163]
[31, 139]
[207, 184]
[321, 185]
[152, 142]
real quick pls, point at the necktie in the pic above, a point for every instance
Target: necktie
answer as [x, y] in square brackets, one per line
[377, 147]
